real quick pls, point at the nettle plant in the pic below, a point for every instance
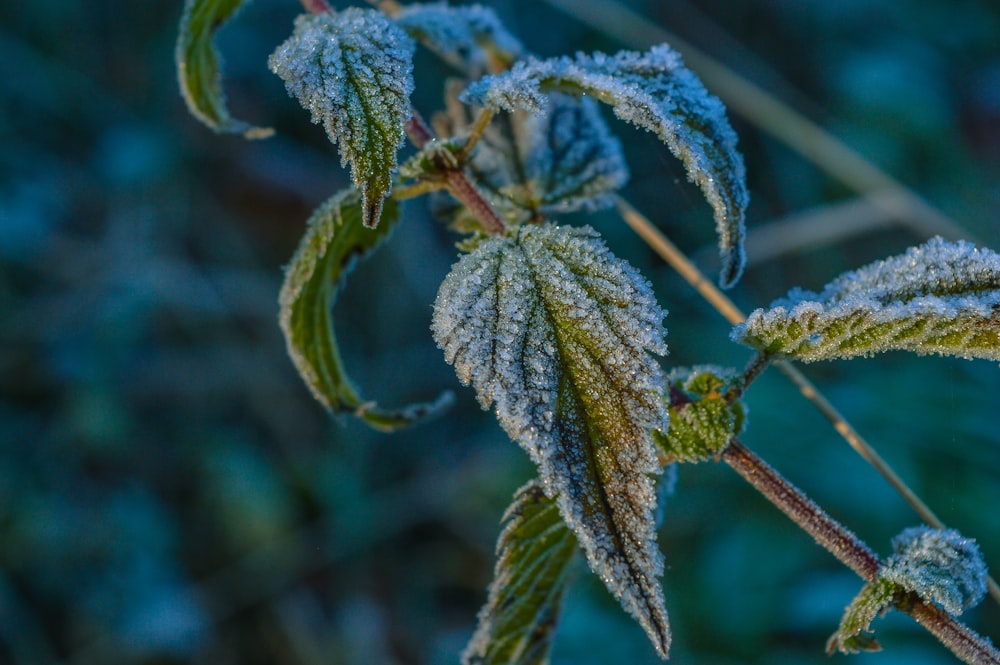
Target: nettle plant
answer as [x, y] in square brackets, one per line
[562, 338]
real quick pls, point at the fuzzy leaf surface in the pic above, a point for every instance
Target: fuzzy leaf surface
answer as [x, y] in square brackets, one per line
[353, 70]
[654, 91]
[941, 297]
[556, 332]
[199, 65]
[855, 634]
[470, 38]
[335, 239]
[535, 553]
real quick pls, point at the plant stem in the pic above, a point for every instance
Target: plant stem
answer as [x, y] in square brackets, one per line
[850, 550]
[758, 363]
[316, 6]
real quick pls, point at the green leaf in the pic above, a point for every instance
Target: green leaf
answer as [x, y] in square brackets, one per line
[353, 70]
[470, 38]
[855, 633]
[534, 556]
[555, 331]
[941, 297]
[702, 420]
[654, 91]
[334, 241]
[199, 67]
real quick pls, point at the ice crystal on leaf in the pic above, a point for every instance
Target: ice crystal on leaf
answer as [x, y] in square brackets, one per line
[941, 297]
[470, 38]
[353, 70]
[334, 241]
[654, 91]
[855, 631]
[552, 329]
[199, 66]
[702, 420]
[939, 565]
[534, 556]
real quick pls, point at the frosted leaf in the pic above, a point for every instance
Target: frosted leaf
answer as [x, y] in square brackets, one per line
[333, 242]
[654, 91]
[353, 70]
[702, 420]
[552, 329]
[939, 565]
[535, 553]
[470, 38]
[941, 297]
[199, 66]
[855, 632]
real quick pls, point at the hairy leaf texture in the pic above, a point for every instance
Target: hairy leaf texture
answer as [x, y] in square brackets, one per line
[556, 332]
[470, 38]
[654, 91]
[534, 556]
[353, 70]
[941, 297]
[333, 242]
[199, 66]
[855, 631]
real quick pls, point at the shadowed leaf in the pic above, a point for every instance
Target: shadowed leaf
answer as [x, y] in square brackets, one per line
[654, 91]
[534, 556]
[469, 38]
[353, 70]
[334, 240]
[199, 66]
[556, 332]
[941, 297]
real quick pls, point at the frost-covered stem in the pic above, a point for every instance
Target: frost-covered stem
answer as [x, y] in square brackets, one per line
[457, 181]
[815, 521]
[316, 6]
[483, 121]
[758, 363]
[850, 550]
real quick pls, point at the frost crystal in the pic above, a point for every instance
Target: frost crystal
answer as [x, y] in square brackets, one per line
[555, 331]
[468, 38]
[655, 91]
[534, 557]
[353, 70]
[939, 565]
[941, 297]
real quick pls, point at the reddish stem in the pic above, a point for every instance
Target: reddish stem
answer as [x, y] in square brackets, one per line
[316, 6]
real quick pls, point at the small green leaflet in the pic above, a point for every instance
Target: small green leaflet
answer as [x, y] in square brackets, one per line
[941, 297]
[702, 420]
[855, 631]
[469, 38]
[654, 91]
[334, 240]
[557, 332]
[534, 556]
[353, 70]
[199, 67]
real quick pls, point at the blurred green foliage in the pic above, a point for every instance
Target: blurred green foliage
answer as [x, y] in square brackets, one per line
[170, 493]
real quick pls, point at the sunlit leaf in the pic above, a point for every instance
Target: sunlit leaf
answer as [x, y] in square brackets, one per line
[556, 332]
[941, 297]
[353, 70]
[702, 420]
[199, 66]
[333, 242]
[470, 38]
[655, 91]
[534, 556]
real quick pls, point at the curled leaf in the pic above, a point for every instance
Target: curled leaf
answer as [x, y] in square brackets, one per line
[534, 556]
[556, 332]
[939, 565]
[353, 70]
[470, 38]
[855, 634]
[941, 297]
[199, 66]
[334, 241]
[654, 91]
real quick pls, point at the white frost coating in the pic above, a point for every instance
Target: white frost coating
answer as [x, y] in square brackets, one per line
[941, 297]
[556, 332]
[655, 91]
[353, 71]
[939, 565]
[466, 37]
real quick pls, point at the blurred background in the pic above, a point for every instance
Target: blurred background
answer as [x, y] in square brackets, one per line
[170, 493]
